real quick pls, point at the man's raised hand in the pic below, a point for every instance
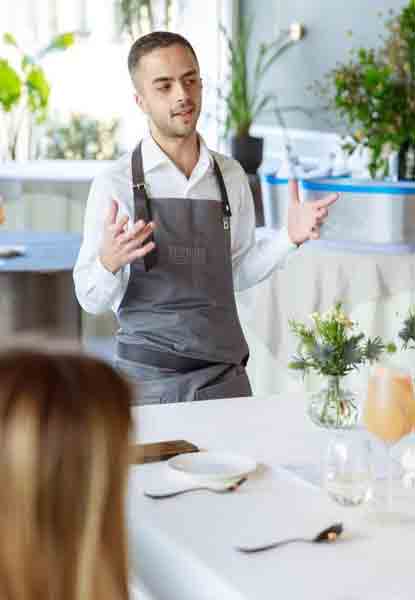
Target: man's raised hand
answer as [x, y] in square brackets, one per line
[121, 246]
[304, 220]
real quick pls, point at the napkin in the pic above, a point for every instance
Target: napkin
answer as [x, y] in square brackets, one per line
[12, 251]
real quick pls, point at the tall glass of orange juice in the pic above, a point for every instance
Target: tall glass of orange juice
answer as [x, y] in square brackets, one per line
[389, 410]
[2, 212]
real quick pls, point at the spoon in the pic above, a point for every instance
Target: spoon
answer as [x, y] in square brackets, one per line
[217, 488]
[330, 534]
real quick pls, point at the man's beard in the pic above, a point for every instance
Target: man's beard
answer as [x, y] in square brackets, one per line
[176, 130]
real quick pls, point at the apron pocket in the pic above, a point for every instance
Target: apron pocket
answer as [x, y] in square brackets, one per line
[235, 385]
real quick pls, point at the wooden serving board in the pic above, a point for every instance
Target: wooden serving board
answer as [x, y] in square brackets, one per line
[157, 451]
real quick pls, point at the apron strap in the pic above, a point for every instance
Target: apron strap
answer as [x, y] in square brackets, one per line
[141, 198]
[226, 207]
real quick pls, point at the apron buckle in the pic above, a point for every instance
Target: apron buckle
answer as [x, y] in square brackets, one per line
[141, 186]
[226, 222]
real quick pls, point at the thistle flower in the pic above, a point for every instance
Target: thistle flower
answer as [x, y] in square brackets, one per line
[407, 333]
[330, 348]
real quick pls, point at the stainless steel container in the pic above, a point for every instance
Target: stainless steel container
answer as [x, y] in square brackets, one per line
[370, 211]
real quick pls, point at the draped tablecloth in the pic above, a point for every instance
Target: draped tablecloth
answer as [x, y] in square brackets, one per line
[375, 283]
[183, 547]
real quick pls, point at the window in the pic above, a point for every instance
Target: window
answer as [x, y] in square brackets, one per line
[92, 76]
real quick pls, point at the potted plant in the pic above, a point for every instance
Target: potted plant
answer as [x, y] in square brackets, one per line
[331, 348]
[82, 138]
[375, 93]
[244, 100]
[25, 90]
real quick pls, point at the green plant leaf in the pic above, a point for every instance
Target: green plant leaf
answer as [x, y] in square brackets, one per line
[10, 86]
[9, 39]
[38, 90]
[60, 42]
[244, 99]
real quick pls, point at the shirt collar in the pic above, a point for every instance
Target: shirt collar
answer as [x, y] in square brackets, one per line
[153, 155]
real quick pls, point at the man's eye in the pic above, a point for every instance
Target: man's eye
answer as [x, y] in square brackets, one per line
[164, 88]
[190, 81]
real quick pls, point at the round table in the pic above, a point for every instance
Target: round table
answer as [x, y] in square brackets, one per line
[37, 291]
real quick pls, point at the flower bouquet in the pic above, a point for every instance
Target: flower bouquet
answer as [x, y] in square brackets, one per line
[332, 348]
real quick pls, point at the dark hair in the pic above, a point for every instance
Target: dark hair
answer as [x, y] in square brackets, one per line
[152, 41]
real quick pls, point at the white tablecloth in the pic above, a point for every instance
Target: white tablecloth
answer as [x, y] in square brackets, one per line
[182, 547]
[376, 290]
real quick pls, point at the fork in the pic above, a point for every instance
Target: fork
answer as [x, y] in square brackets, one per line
[217, 488]
[330, 534]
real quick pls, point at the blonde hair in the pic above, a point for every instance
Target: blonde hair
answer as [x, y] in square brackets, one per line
[64, 430]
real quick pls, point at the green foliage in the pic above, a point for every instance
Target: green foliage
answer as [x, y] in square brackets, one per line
[27, 87]
[83, 138]
[136, 17]
[407, 333]
[130, 16]
[10, 86]
[330, 347]
[375, 92]
[38, 91]
[244, 100]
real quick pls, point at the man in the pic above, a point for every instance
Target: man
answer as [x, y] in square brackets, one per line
[169, 231]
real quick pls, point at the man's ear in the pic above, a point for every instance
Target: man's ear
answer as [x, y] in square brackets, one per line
[139, 100]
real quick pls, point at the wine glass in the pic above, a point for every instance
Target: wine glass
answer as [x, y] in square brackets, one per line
[347, 470]
[389, 413]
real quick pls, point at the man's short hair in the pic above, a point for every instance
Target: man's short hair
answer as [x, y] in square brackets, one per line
[152, 41]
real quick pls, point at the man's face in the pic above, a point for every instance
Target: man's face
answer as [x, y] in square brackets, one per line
[169, 91]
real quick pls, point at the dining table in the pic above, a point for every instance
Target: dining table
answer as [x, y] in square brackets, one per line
[36, 286]
[184, 547]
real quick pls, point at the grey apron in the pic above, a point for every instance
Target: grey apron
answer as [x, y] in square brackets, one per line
[180, 338]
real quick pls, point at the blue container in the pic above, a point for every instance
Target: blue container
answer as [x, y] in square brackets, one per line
[275, 198]
[367, 211]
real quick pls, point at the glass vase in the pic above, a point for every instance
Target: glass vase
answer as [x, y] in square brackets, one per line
[333, 406]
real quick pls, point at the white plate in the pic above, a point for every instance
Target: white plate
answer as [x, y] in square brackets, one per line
[213, 465]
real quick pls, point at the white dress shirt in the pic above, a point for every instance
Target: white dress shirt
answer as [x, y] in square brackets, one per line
[98, 290]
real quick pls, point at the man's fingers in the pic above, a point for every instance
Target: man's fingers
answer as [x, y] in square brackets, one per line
[327, 201]
[141, 251]
[140, 230]
[137, 242]
[321, 214]
[293, 191]
[137, 233]
[112, 213]
[119, 226]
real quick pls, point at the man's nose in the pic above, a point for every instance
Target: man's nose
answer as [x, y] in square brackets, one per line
[182, 92]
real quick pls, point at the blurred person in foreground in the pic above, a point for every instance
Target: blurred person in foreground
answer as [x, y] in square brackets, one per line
[64, 437]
